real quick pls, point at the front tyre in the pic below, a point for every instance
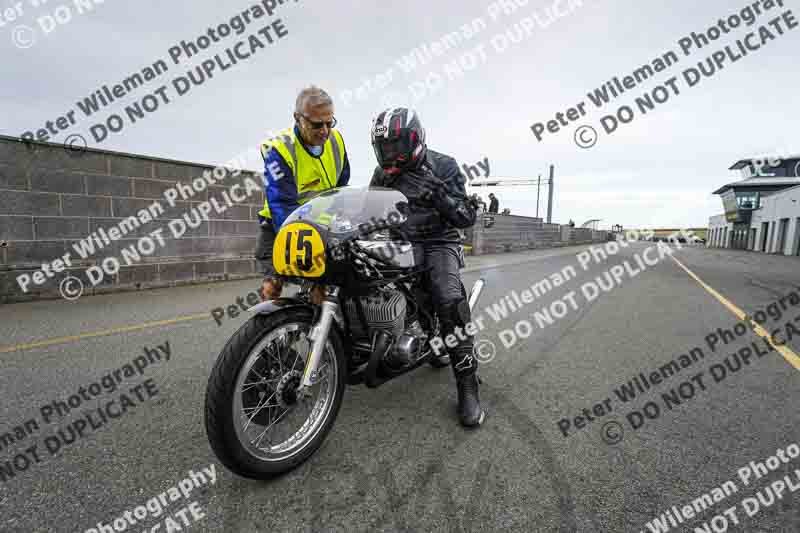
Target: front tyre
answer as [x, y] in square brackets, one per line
[257, 424]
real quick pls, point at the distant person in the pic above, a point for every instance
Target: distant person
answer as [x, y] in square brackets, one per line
[479, 201]
[305, 160]
[494, 204]
[571, 223]
[506, 211]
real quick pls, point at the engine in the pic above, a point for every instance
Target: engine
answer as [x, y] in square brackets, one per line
[387, 310]
[384, 310]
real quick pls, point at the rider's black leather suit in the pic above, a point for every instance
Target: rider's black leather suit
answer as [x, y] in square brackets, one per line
[438, 207]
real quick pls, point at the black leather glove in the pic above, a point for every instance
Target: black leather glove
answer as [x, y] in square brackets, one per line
[435, 190]
[403, 208]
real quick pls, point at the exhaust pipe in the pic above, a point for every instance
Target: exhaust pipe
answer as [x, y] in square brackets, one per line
[475, 293]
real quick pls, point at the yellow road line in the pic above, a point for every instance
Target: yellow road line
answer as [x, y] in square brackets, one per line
[100, 333]
[791, 357]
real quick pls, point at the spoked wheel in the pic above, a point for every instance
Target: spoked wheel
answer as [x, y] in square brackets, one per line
[258, 423]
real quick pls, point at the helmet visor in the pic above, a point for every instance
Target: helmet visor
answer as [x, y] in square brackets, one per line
[396, 151]
[393, 150]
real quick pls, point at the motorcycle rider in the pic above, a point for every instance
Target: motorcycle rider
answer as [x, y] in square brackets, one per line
[438, 207]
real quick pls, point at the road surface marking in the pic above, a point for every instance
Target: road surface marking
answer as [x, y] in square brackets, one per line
[100, 333]
[791, 357]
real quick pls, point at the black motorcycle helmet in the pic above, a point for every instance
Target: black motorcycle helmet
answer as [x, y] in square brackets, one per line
[398, 139]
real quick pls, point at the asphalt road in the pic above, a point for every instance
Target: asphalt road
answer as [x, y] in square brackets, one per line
[397, 460]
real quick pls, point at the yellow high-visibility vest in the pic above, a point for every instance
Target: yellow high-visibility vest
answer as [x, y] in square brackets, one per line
[310, 174]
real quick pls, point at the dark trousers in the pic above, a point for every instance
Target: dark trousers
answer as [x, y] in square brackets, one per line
[449, 299]
[266, 239]
[444, 279]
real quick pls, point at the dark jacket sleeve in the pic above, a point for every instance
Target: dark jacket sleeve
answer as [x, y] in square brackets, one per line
[454, 205]
[281, 188]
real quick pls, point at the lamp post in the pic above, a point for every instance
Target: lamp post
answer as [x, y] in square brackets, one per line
[550, 203]
[538, 186]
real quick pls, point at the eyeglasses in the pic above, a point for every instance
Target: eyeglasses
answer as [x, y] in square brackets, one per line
[319, 125]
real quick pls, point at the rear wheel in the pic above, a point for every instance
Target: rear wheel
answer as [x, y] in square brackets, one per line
[257, 424]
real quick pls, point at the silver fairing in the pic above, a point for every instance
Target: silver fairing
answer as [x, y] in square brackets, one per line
[396, 253]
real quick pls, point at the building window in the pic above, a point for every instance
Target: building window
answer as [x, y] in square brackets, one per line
[748, 200]
[773, 172]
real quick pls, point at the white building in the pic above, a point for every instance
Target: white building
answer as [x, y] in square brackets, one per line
[775, 227]
[762, 212]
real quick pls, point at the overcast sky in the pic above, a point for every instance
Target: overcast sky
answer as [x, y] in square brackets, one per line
[658, 170]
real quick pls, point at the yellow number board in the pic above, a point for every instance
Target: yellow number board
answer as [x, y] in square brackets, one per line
[299, 251]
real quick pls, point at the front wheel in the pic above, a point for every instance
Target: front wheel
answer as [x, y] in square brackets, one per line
[257, 424]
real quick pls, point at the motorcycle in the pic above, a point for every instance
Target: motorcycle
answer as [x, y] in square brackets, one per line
[276, 387]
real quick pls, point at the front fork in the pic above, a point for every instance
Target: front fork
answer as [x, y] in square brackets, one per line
[319, 337]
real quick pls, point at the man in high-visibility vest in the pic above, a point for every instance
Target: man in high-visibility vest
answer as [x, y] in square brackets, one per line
[298, 164]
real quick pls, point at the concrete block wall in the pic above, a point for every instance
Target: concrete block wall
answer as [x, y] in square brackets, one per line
[581, 236]
[502, 233]
[50, 197]
[599, 236]
[509, 233]
[549, 236]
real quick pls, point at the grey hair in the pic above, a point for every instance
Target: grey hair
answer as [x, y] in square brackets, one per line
[312, 95]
